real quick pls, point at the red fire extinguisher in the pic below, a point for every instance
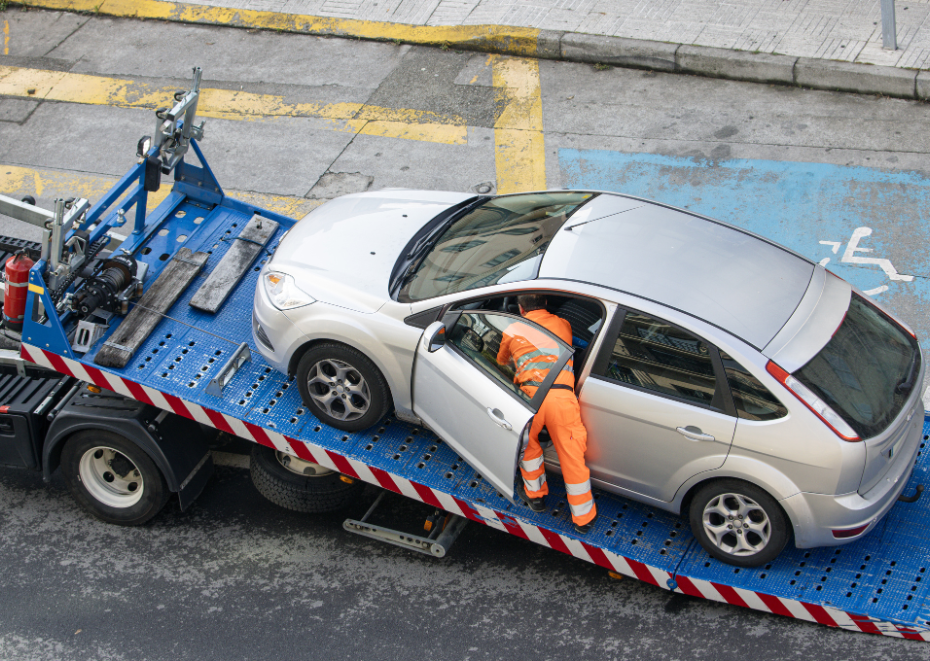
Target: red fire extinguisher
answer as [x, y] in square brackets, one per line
[15, 290]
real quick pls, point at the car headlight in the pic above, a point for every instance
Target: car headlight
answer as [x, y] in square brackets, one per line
[284, 292]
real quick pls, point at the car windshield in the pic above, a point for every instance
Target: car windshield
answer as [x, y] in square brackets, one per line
[501, 240]
[866, 371]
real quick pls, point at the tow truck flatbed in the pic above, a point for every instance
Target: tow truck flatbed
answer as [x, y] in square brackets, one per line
[878, 584]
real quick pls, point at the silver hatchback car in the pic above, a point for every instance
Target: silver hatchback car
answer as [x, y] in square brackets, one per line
[720, 375]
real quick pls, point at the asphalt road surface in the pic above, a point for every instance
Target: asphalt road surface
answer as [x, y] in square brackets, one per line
[237, 578]
[294, 120]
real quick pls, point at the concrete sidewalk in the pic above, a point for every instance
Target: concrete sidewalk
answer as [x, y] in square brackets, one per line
[824, 44]
[846, 30]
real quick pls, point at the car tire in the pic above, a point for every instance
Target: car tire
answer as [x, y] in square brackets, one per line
[731, 540]
[342, 387]
[113, 478]
[300, 486]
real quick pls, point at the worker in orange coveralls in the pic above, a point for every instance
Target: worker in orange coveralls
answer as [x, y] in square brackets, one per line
[533, 354]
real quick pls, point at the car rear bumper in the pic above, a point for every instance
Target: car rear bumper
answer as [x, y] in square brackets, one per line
[819, 518]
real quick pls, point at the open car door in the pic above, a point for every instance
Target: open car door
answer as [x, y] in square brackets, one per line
[469, 398]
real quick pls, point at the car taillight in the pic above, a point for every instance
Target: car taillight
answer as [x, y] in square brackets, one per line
[830, 418]
[850, 532]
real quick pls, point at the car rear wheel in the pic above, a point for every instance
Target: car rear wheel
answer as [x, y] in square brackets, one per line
[738, 523]
[342, 387]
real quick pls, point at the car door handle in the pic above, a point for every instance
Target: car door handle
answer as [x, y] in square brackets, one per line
[694, 434]
[498, 418]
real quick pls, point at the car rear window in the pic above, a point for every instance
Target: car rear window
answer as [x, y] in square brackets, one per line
[867, 371]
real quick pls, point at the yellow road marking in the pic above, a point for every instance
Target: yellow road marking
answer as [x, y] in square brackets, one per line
[18, 181]
[497, 38]
[236, 105]
[449, 135]
[6, 37]
[519, 144]
[519, 147]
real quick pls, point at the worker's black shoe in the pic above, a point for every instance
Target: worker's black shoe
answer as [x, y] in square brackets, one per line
[586, 528]
[535, 504]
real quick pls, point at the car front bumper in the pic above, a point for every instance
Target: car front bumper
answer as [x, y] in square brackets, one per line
[275, 336]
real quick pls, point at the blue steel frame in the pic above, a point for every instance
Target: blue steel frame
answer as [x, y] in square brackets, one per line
[192, 183]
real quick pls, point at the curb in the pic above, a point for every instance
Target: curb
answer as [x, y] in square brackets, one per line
[738, 65]
[544, 44]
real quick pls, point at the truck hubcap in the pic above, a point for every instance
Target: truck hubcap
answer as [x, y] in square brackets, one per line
[300, 466]
[110, 477]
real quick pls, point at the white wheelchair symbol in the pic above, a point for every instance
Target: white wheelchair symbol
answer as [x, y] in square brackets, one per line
[850, 257]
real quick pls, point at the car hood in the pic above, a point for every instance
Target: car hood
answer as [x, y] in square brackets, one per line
[343, 251]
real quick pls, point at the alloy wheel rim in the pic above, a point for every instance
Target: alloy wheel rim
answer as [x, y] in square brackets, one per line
[339, 389]
[736, 524]
[110, 477]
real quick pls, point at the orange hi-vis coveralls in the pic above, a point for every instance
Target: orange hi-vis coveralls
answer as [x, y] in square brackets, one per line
[559, 412]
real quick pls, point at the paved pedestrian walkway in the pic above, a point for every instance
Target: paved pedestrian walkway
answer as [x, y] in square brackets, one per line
[824, 44]
[847, 30]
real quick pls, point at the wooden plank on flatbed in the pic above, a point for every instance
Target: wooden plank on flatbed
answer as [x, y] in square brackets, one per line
[142, 319]
[237, 260]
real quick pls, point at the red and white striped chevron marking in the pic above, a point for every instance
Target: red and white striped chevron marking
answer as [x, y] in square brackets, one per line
[831, 617]
[626, 566]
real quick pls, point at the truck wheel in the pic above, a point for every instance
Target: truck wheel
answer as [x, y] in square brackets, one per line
[738, 523]
[342, 387]
[299, 485]
[112, 478]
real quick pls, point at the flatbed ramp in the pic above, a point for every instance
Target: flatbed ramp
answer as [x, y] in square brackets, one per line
[878, 584]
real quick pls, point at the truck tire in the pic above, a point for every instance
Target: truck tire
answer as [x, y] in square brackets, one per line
[113, 478]
[299, 485]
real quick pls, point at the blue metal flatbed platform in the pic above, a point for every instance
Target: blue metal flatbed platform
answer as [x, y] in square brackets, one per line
[879, 584]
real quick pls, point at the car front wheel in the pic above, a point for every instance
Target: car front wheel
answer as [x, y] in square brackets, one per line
[342, 387]
[738, 523]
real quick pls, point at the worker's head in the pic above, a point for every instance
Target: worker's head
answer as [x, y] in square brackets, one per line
[530, 302]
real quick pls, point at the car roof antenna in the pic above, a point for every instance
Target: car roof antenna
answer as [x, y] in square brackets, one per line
[585, 222]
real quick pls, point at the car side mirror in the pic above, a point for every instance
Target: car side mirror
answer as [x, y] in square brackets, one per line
[435, 336]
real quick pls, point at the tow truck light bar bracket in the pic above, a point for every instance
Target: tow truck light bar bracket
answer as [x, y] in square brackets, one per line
[174, 128]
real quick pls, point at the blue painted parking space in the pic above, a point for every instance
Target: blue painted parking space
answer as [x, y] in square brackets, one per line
[869, 226]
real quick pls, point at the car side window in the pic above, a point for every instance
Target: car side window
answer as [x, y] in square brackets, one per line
[512, 351]
[753, 400]
[651, 354]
